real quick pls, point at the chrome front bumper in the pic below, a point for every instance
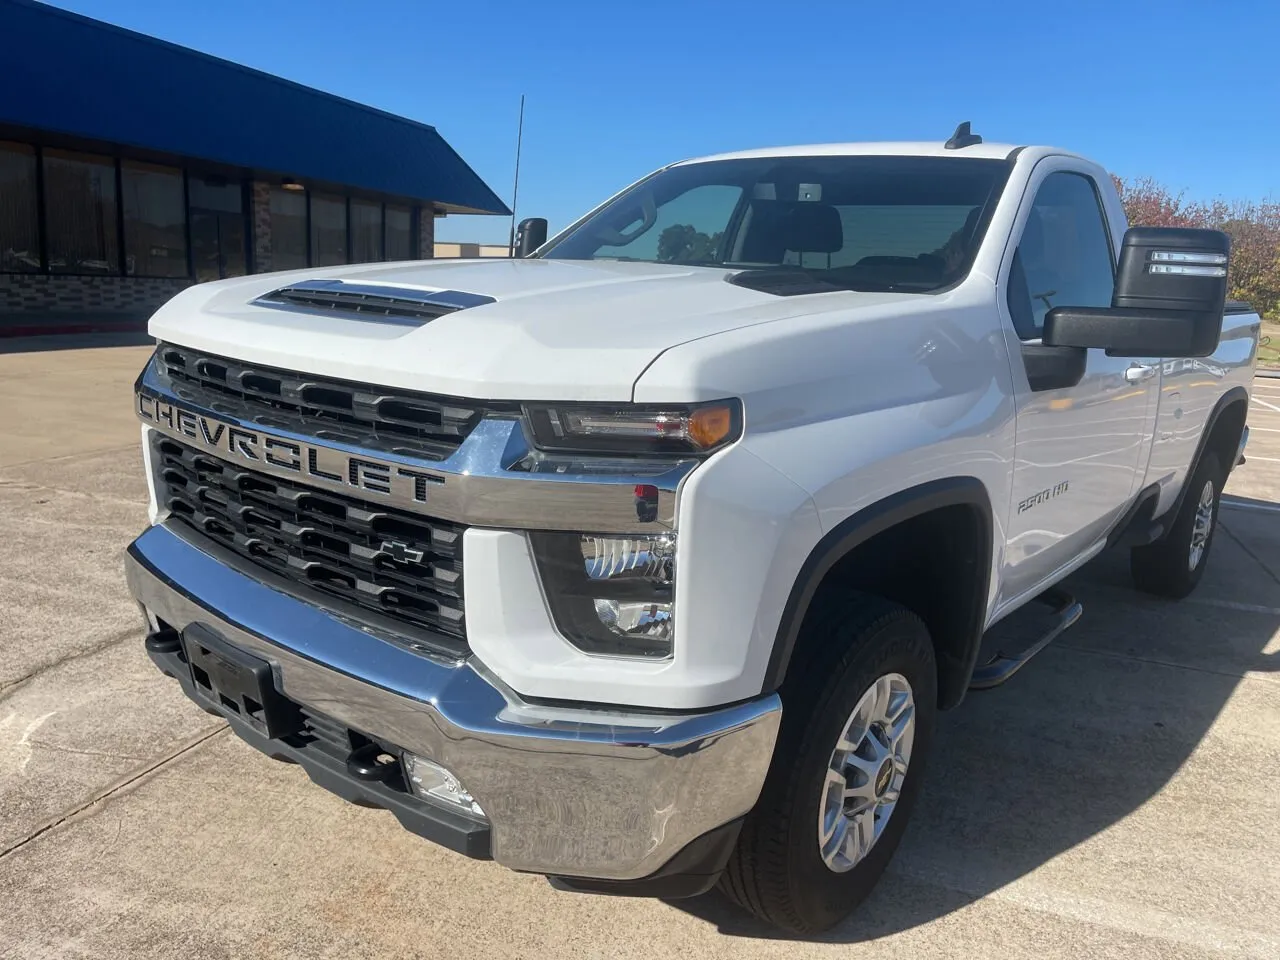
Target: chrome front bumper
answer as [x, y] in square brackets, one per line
[578, 792]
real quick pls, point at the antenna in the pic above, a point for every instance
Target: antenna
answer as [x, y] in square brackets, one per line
[515, 189]
[962, 138]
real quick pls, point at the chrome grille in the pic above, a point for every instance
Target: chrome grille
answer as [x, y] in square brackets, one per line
[397, 564]
[418, 425]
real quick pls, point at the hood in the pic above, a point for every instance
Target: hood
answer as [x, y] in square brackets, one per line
[527, 329]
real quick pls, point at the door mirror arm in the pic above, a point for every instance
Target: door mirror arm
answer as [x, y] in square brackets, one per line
[1124, 332]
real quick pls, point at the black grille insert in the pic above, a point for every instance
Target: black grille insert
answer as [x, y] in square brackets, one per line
[419, 425]
[397, 564]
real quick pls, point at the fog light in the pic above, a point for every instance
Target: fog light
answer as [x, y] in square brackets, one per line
[636, 618]
[614, 558]
[433, 783]
[610, 595]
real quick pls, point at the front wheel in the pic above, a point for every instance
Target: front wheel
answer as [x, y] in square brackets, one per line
[856, 728]
[1172, 566]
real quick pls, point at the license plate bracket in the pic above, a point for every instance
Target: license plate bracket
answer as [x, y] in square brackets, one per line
[238, 683]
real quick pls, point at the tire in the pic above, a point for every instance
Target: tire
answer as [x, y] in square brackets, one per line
[1171, 567]
[777, 871]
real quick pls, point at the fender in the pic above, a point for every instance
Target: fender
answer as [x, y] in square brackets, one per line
[1236, 394]
[861, 527]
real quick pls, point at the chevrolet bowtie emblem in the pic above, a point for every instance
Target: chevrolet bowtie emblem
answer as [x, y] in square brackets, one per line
[402, 552]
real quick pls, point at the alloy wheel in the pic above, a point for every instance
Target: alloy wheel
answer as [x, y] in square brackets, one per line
[865, 772]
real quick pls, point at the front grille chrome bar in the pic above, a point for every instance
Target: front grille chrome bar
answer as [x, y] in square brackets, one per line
[486, 481]
[415, 425]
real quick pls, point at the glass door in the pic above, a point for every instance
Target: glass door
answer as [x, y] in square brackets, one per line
[218, 246]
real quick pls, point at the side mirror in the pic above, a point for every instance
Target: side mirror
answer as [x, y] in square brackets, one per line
[530, 235]
[1170, 293]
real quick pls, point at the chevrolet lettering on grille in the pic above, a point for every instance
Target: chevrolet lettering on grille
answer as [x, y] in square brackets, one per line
[320, 465]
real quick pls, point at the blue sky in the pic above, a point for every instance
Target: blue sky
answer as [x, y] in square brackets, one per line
[1185, 92]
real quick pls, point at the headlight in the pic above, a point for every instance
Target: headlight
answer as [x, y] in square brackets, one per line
[635, 429]
[610, 595]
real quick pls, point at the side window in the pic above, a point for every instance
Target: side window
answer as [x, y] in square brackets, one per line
[1064, 258]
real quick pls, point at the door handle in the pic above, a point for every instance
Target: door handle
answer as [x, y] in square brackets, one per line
[1138, 372]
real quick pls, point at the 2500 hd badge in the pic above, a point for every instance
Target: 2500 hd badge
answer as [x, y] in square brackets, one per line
[1048, 493]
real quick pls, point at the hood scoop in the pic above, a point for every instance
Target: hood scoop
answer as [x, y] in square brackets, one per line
[372, 302]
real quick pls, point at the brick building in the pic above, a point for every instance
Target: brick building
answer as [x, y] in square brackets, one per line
[131, 168]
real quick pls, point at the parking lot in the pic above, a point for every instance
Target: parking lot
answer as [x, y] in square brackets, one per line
[1118, 798]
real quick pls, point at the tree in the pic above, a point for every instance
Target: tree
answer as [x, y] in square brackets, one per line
[1151, 204]
[681, 241]
[1255, 253]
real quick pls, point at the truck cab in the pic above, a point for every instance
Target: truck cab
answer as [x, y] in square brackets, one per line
[646, 560]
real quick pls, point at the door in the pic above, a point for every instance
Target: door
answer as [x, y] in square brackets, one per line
[1080, 451]
[217, 244]
[217, 228]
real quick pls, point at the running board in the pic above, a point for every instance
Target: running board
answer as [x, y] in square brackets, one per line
[1066, 610]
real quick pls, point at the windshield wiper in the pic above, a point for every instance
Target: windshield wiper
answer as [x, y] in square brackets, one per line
[790, 281]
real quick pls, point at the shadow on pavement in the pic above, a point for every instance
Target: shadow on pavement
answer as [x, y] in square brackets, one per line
[1086, 734]
[75, 341]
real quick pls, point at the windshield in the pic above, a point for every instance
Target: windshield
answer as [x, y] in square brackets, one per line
[861, 223]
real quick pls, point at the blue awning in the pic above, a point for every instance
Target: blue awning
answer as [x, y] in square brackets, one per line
[71, 75]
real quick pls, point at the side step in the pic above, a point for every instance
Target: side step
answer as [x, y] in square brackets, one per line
[1065, 610]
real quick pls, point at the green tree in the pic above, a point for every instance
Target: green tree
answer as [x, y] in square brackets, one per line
[682, 241]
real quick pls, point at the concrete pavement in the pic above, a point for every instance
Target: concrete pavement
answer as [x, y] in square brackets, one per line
[1118, 798]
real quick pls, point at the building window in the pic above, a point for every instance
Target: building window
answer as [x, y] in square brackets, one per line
[72, 213]
[81, 217]
[328, 231]
[155, 222]
[399, 244]
[366, 231]
[288, 229]
[19, 226]
[218, 247]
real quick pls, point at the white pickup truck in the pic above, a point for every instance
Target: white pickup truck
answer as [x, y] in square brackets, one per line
[645, 560]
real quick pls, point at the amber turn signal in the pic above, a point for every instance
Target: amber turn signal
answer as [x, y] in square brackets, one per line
[710, 425]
